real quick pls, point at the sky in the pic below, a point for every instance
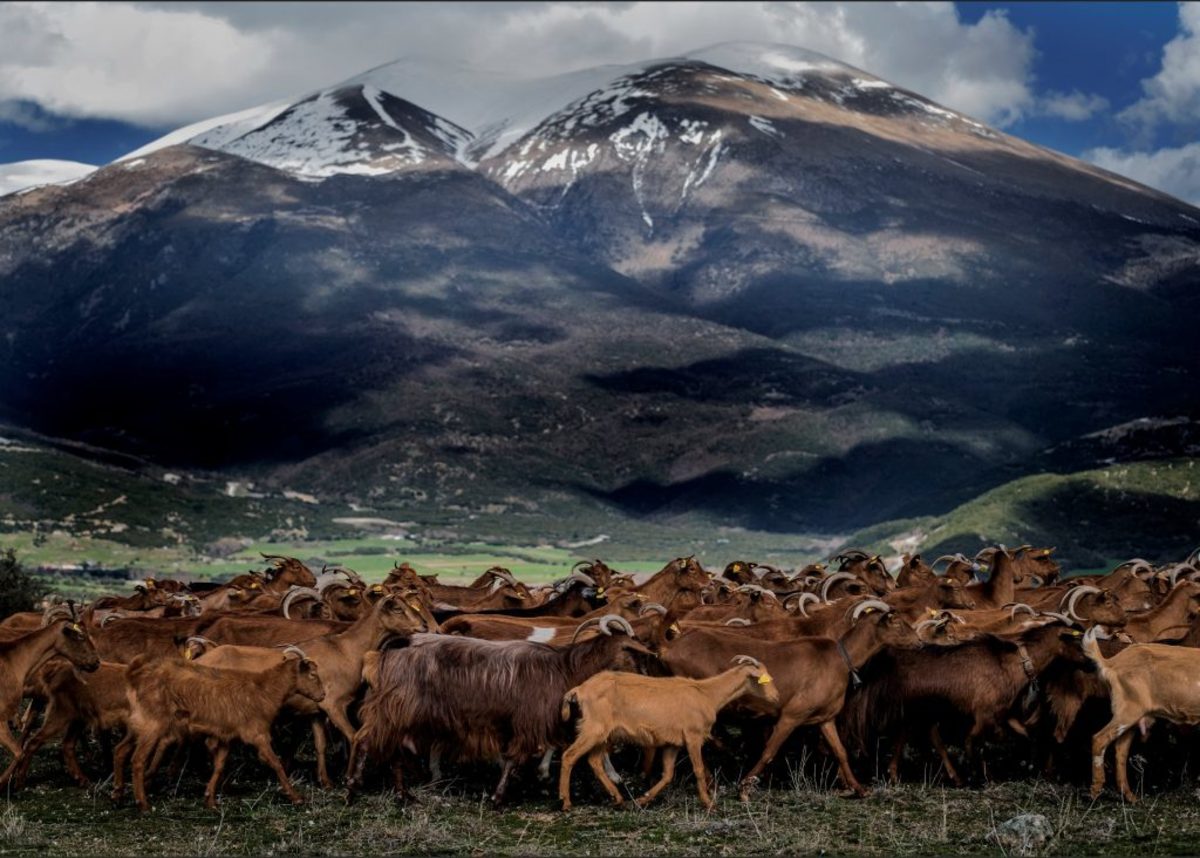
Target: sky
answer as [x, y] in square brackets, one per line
[1117, 84]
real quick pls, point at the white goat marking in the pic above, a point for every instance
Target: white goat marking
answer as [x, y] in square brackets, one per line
[541, 634]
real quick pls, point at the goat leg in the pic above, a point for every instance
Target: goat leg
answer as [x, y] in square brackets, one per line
[596, 761]
[668, 773]
[498, 795]
[320, 743]
[219, 751]
[262, 743]
[70, 758]
[1121, 753]
[830, 734]
[935, 736]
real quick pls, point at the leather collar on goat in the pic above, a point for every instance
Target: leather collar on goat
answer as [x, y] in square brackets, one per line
[855, 679]
[1026, 663]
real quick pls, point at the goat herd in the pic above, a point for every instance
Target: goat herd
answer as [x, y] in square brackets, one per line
[415, 674]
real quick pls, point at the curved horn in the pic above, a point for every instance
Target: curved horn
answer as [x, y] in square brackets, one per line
[1072, 597]
[295, 593]
[1192, 558]
[1062, 618]
[652, 608]
[503, 574]
[833, 579]
[109, 619]
[583, 577]
[872, 604]
[802, 599]
[292, 649]
[1179, 569]
[755, 588]
[615, 620]
[746, 659]
[852, 554]
[738, 621]
[579, 628]
[937, 622]
[1013, 607]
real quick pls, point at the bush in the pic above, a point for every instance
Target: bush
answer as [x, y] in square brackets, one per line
[19, 590]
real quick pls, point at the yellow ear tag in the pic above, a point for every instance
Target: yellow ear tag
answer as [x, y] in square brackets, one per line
[378, 588]
[674, 627]
[187, 654]
[868, 610]
[1076, 634]
[149, 583]
[932, 612]
[599, 591]
[764, 679]
[75, 627]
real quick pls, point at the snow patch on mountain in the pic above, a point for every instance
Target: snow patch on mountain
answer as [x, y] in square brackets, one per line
[26, 175]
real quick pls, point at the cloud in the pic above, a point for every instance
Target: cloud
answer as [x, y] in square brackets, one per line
[1175, 171]
[163, 64]
[1074, 106]
[1173, 94]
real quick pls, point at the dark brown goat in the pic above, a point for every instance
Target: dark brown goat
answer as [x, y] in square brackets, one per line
[486, 699]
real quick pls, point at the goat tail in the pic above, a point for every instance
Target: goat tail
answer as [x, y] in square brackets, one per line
[569, 699]
[1091, 648]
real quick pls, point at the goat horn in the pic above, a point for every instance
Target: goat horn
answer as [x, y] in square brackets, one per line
[292, 649]
[833, 579]
[802, 599]
[586, 579]
[1072, 597]
[950, 557]
[755, 588]
[109, 619]
[746, 659]
[200, 639]
[579, 628]
[1179, 569]
[1013, 607]
[1192, 558]
[295, 593]
[737, 621]
[937, 623]
[615, 620]
[503, 574]
[852, 553]
[869, 604]
[1062, 618]
[652, 608]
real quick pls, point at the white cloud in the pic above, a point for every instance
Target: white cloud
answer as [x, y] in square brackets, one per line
[1175, 171]
[166, 64]
[1173, 94]
[1074, 106]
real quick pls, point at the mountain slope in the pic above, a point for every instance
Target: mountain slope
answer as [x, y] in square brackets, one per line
[749, 285]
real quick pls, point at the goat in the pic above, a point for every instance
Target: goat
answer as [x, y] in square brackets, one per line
[813, 674]
[1145, 682]
[174, 700]
[488, 699]
[97, 702]
[19, 657]
[655, 712]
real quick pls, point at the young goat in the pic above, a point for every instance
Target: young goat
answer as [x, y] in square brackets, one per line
[655, 712]
[1145, 681]
[174, 700]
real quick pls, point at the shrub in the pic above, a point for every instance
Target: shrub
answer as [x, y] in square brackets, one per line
[19, 590]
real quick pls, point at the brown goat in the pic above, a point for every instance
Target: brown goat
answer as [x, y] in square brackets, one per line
[485, 699]
[655, 712]
[19, 657]
[174, 700]
[1145, 682]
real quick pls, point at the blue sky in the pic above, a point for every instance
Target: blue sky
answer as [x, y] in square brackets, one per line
[90, 82]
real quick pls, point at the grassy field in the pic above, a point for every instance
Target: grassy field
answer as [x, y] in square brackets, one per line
[801, 813]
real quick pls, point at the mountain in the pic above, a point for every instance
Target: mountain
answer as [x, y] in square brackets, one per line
[21, 175]
[749, 284]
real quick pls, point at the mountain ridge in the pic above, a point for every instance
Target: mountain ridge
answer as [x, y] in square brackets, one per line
[794, 297]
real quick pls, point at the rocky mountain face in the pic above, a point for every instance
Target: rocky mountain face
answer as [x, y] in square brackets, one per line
[750, 282]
